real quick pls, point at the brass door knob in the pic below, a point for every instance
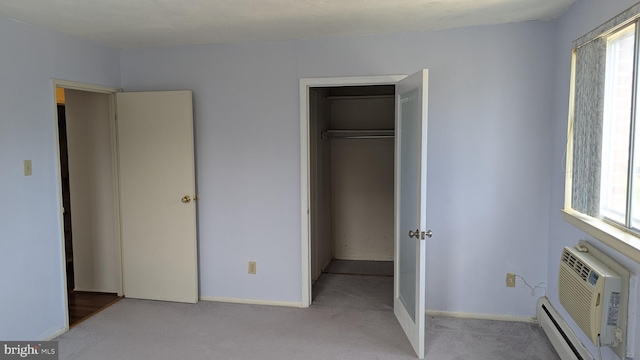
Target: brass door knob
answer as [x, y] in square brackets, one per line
[186, 199]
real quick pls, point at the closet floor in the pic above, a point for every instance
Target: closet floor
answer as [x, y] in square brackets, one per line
[366, 285]
[359, 267]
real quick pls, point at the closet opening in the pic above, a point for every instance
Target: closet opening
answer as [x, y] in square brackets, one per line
[351, 198]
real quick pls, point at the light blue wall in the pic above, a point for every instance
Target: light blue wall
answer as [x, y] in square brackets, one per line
[490, 144]
[583, 16]
[498, 105]
[31, 279]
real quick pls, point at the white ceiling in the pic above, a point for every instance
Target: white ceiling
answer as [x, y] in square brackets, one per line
[153, 23]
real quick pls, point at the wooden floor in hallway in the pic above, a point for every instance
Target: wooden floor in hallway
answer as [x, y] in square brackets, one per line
[83, 305]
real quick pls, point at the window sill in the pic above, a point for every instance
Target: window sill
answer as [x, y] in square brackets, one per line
[618, 239]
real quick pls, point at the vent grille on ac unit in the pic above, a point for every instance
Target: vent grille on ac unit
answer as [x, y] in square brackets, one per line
[583, 270]
[577, 299]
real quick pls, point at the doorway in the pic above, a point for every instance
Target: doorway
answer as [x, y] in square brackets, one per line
[88, 189]
[313, 147]
[330, 241]
[116, 217]
[352, 195]
[410, 191]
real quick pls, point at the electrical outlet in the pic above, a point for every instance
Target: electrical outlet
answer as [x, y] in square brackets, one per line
[511, 280]
[252, 267]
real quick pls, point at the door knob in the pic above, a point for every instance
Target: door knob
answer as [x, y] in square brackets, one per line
[186, 199]
[420, 235]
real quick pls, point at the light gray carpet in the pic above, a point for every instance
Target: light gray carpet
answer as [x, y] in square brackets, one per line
[140, 329]
[354, 291]
[462, 339]
[347, 323]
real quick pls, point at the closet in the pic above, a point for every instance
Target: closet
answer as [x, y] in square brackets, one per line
[351, 137]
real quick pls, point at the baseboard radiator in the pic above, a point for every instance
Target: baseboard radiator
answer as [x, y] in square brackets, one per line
[564, 341]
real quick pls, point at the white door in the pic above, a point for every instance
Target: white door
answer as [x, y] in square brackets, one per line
[157, 190]
[410, 207]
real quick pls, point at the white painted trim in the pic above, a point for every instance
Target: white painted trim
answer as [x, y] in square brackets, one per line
[251, 301]
[464, 315]
[96, 290]
[568, 165]
[618, 239]
[74, 85]
[63, 254]
[305, 186]
[305, 257]
[57, 333]
[115, 170]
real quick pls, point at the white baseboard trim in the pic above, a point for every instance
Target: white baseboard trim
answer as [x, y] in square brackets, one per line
[56, 334]
[97, 291]
[526, 319]
[251, 301]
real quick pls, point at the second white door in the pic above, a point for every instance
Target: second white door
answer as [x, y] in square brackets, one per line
[410, 210]
[157, 192]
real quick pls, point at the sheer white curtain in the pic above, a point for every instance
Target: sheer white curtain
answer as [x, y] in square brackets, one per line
[587, 126]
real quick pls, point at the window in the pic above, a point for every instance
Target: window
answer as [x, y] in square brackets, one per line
[603, 147]
[615, 189]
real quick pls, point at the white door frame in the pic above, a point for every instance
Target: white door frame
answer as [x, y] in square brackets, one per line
[72, 85]
[305, 160]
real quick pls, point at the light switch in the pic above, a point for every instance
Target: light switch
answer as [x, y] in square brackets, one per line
[27, 168]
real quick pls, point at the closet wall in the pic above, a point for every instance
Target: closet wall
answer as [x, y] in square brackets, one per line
[353, 175]
[320, 178]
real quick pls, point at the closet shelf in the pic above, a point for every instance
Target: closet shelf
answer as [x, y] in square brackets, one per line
[359, 134]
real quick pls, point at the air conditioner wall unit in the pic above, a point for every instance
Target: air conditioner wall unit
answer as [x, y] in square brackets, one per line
[590, 292]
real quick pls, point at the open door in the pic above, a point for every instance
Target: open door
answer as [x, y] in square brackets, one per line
[157, 192]
[410, 207]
